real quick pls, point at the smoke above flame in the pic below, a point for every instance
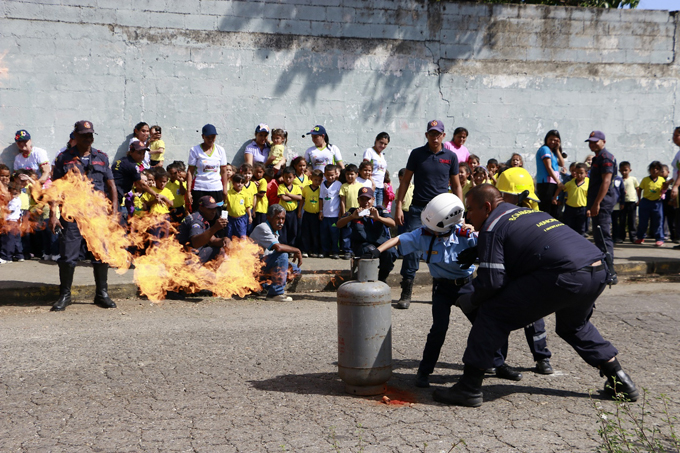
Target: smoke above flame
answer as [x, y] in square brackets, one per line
[166, 265]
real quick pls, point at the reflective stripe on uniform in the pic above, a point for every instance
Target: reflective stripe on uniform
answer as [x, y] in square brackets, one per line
[540, 337]
[493, 224]
[492, 265]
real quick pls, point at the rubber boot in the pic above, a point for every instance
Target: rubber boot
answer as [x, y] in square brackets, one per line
[405, 299]
[101, 296]
[618, 382]
[467, 392]
[66, 272]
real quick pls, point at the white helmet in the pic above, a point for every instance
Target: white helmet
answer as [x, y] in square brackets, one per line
[442, 213]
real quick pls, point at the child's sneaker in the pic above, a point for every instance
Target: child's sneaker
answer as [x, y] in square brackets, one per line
[3, 261]
[304, 255]
[19, 259]
[335, 256]
[658, 243]
[639, 241]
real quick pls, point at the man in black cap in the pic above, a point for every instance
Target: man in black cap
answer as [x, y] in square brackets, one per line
[204, 230]
[433, 169]
[94, 164]
[126, 173]
[602, 194]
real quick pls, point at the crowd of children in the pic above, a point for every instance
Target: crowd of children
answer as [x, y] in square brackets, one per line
[317, 200]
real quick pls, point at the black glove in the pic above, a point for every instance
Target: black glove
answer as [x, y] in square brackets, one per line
[467, 257]
[370, 252]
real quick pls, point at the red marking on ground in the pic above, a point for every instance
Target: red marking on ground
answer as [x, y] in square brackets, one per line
[397, 397]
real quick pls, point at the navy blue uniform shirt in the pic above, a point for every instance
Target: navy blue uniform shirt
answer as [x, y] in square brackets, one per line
[516, 241]
[604, 162]
[193, 225]
[431, 172]
[95, 166]
[365, 230]
[125, 174]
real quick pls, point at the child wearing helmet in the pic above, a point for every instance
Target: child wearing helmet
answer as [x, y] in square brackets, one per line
[440, 240]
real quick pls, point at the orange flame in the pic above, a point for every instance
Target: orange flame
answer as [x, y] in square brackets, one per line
[166, 266]
[97, 221]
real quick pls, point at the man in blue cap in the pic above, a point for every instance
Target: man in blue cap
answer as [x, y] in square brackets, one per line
[433, 169]
[602, 194]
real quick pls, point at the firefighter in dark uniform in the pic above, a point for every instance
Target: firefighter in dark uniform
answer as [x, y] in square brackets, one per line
[204, 231]
[95, 165]
[531, 265]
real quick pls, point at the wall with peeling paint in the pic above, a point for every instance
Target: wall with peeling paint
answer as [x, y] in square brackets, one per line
[508, 73]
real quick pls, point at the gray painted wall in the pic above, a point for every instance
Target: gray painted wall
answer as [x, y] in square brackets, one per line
[508, 73]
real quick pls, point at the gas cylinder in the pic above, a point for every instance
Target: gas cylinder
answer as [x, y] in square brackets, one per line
[365, 331]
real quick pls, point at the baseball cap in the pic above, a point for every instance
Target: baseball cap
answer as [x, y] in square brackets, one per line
[261, 128]
[22, 136]
[138, 146]
[83, 127]
[435, 125]
[595, 136]
[209, 202]
[317, 130]
[366, 192]
[208, 129]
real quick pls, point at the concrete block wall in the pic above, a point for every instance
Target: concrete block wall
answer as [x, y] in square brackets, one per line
[508, 73]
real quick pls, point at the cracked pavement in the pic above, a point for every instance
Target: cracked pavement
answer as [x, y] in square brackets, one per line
[216, 375]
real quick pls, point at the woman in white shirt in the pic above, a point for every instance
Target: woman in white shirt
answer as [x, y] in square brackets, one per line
[375, 155]
[322, 153]
[207, 169]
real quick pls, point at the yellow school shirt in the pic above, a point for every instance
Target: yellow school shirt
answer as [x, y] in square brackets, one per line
[155, 152]
[311, 197]
[651, 190]
[261, 204]
[351, 194]
[408, 198]
[466, 189]
[174, 187]
[158, 207]
[577, 195]
[25, 201]
[237, 202]
[295, 190]
[304, 182]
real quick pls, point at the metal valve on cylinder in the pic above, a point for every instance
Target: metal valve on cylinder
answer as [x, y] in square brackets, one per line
[365, 331]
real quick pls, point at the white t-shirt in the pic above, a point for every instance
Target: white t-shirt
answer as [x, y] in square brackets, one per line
[379, 166]
[331, 198]
[319, 158]
[365, 182]
[146, 163]
[33, 162]
[14, 208]
[676, 165]
[208, 178]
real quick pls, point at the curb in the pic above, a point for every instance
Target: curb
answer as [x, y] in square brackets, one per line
[310, 281]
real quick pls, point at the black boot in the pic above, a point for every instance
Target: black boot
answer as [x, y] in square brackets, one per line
[618, 382]
[405, 299]
[507, 372]
[467, 392]
[101, 296]
[65, 281]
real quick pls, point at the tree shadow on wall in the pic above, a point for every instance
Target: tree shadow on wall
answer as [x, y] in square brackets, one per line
[383, 65]
[8, 154]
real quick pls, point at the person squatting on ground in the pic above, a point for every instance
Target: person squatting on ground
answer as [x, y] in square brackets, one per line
[204, 231]
[369, 228]
[94, 165]
[440, 240]
[520, 248]
[275, 254]
[434, 169]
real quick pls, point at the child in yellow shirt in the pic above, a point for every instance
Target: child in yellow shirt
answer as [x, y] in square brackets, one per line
[238, 203]
[349, 198]
[289, 196]
[650, 190]
[260, 201]
[310, 231]
[157, 207]
[178, 186]
[577, 199]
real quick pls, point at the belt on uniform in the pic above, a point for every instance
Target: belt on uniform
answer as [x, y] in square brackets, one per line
[418, 204]
[452, 281]
[595, 267]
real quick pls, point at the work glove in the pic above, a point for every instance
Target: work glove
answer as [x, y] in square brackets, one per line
[467, 257]
[370, 252]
